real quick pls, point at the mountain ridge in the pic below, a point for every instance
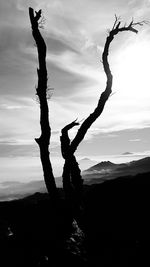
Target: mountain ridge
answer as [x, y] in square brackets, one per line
[98, 173]
[107, 170]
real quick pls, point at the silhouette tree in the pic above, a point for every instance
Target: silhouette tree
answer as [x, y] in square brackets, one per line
[41, 91]
[105, 95]
[72, 179]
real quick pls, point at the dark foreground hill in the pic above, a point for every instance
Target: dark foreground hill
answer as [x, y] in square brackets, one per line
[115, 221]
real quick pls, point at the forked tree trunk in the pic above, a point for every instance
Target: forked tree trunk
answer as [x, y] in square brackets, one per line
[105, 95]
[72, 179]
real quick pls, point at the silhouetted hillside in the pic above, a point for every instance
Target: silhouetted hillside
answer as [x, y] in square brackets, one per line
[11, 190]
[33, 230]
[86, 163]
[36, 232]
[117, 221]
[104, 165]
[142, 165]
[98, 173]
[107, 170]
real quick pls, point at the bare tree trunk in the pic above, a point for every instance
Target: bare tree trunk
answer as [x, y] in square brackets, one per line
[72, 173]
[44, 140]
[71, 168]
[105, 95]
[72, 179]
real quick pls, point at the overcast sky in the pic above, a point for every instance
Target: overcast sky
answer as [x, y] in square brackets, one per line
[75, 33]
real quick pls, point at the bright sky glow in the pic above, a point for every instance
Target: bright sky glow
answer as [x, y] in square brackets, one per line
[132, 72]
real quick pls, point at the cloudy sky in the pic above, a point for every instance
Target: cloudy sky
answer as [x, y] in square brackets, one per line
[75, 33]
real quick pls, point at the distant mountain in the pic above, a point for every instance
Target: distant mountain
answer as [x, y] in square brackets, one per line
[136, 166]
[107, 170]
[98, 173]
[10, 190]
[13, 189]
[86, 163]
[141, 163]
[100, 167]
